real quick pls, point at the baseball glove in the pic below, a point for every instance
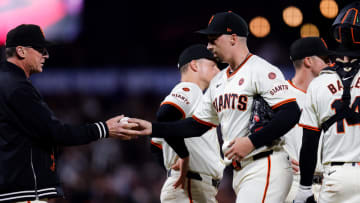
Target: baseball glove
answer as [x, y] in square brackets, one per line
[261, 114]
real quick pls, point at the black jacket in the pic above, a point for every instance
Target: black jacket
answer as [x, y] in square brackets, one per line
[29, 136]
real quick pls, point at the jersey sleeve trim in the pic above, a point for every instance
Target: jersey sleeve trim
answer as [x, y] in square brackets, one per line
[203, 122]
[176, 106]
[283, 102]
[309, 127]
[156, 144]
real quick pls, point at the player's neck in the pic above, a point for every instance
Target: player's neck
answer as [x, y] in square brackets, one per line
[192, 78]
[239, 58]
[302, 79]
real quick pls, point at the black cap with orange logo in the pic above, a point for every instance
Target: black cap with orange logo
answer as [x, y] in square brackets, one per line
[226, 23]
[26, 35]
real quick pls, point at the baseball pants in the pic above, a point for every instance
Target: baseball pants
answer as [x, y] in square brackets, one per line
[341, 183]
[295, 187]
[264, 180]
[195, 191]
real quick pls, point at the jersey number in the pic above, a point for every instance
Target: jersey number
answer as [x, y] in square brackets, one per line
[340, 123]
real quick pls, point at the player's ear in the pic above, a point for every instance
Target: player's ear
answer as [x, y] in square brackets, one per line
[233, 39]
[307, 61]
[20, 52]
[193, 66]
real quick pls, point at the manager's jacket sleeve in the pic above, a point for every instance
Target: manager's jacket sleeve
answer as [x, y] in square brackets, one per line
[38, 122]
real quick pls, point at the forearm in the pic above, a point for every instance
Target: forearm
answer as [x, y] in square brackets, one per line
[184, 128]
[286, 116]
[308, 156]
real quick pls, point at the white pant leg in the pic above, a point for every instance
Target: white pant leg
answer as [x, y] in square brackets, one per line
[340, 184]
[294, 188]
[265, 180]
[195, 191]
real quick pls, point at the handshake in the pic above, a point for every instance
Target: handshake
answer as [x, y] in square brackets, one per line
[126, 128]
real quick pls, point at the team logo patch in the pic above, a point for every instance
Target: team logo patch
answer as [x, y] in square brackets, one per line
[186, 89]
[241, 81]
[272, 75]
[228, 29]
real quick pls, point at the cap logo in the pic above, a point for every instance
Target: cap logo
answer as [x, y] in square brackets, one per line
[324, 42]
[186, 89]
[211, 19]
[42, 31]
[228, 30]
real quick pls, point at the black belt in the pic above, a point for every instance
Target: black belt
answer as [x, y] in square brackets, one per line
[237, 165]
[342, 163]
[196, 176]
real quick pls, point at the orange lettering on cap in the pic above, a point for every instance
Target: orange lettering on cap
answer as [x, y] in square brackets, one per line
[228, 29]
[212, 17]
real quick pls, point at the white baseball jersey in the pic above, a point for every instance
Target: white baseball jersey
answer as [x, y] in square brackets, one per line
[293, 138]
[341, 141]
[205, 157]
[230, 95]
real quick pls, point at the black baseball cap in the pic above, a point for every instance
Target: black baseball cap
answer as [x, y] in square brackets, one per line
[308, 46]
[226, 23]
[26, 35]
[197, 51]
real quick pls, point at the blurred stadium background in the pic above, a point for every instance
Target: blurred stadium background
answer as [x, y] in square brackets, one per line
[119, 57]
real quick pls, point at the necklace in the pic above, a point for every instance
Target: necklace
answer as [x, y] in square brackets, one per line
[242, 62]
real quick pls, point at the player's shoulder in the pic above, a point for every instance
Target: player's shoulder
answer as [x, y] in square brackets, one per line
[186, 87]
[264, 64]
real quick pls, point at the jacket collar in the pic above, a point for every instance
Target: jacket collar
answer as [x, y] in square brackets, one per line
[13, 68]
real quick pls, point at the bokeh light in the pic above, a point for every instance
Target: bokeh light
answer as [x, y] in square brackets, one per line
[329, 8]
[292, 16]
[309, 30]
[259, 26]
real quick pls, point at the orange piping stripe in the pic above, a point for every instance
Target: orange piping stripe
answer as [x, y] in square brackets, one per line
[292, 84]
[156, 144]
[189, 190]
[176, 106]
[324, 42]
[309, 127]
[203, 122]
[283, 102]
[267, 178]
[233, 73]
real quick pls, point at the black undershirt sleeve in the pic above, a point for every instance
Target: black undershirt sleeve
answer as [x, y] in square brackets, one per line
[308, 156]
[184, 128]
[286, 116]
[168, 113]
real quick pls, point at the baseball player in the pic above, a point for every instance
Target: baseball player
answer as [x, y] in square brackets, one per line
[264, 172]
[332, 107]
[309, 56]
[197, 67]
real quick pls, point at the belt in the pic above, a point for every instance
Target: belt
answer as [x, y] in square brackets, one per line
[199, 177]
[239, 165]
[344, 163]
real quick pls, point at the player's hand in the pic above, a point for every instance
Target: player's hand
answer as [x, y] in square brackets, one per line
[142, 127]
[183, 166]
[239, 148]
[119, 129]
[304, 195]
[295, 165]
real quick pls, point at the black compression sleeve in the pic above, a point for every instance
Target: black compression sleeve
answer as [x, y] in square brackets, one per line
[157, 155]
[286, 116]
[168, 113]
[183, 128]
[308, 156]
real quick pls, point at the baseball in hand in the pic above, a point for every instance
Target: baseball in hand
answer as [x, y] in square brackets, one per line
[225, 148]
[124, 120]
